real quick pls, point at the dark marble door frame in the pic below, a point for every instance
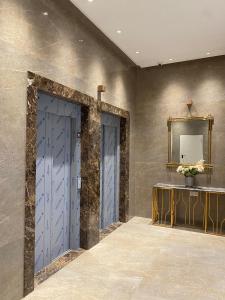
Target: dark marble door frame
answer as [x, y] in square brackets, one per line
[90, 165]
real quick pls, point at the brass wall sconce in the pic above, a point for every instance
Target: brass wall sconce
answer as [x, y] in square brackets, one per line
[101, 89]
[189, 104]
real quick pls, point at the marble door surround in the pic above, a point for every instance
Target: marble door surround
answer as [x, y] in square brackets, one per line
[91, 110]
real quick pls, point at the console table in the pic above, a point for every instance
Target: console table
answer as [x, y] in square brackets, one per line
[201, 207]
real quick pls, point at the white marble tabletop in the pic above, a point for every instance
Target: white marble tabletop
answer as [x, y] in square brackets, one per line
[195, 188]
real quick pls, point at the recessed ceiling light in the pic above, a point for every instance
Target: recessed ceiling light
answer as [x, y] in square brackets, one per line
[45, 13]
[119, 31]
[171, 59]
[80, 41]
[208, 53]
[138, 52]
[90, 0]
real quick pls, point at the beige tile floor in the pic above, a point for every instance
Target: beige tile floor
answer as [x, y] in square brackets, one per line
[143, 262]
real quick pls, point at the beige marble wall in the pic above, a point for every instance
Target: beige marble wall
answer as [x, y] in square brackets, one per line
[50, 46]
[163, 92]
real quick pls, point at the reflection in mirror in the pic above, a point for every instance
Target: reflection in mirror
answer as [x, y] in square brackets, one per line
[191, 148]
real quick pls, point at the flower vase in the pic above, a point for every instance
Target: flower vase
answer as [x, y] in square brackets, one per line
[189, 181]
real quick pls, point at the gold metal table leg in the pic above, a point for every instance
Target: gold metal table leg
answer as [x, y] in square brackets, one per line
[172, 208]
[206, 211]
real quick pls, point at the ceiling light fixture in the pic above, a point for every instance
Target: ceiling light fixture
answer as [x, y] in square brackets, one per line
[208, 53]
[171, 59]
[90, 0]
[138, 52]
[119, 31]
[80, 41]
[45, 13]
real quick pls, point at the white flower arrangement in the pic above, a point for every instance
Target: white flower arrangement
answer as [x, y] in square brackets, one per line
[191, 171]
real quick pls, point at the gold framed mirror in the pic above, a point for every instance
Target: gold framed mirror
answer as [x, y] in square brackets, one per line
[190, 140]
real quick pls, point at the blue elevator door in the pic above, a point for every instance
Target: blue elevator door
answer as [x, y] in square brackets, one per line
[60, 211]
[57, 168]
[110, 156]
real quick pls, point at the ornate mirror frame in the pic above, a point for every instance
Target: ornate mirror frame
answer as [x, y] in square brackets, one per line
[209, 119]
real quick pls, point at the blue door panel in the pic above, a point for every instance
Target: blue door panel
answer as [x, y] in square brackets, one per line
[109, 147]
[48, 189]
[75, 173]
[57, 169]
[60, 185]
[110, 161]
[40, 195]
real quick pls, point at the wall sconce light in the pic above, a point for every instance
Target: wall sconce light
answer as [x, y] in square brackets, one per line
[189, 104]
[101, 89]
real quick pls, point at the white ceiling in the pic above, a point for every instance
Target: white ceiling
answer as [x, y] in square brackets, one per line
[164, 31]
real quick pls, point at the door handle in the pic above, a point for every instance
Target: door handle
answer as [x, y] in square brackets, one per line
[78, 183]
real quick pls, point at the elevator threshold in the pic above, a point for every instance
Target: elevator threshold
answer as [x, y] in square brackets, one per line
[56, 265]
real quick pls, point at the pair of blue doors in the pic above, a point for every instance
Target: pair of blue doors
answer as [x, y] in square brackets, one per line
[57, 214]
[110, 170]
